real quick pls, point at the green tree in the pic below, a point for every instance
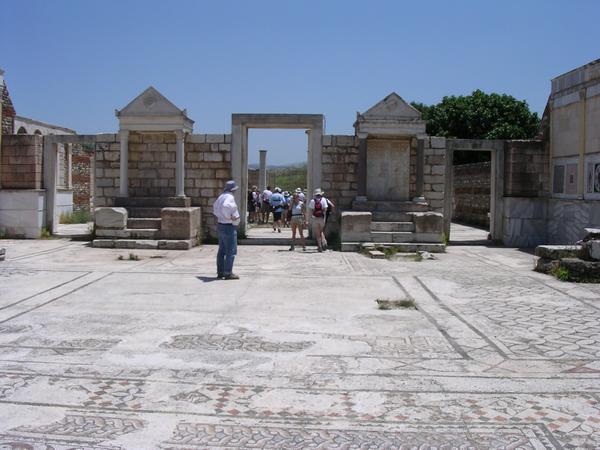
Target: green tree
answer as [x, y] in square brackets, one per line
[480, 116]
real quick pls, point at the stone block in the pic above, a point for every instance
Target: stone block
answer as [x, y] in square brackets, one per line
[113, 218]
[180, 223]
[594, 249]
[326, 140]
[428, 222]
[215, 138]
[345, 141]
[558, 251]
[196, 138]
[214, 157]
[580, 270]
[356, 226]
[438, 142]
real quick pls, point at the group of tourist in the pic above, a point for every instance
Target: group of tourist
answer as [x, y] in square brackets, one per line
[286, 209]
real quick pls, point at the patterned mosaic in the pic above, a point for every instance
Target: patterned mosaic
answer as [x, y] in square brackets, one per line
[239, 341]
[422, 437]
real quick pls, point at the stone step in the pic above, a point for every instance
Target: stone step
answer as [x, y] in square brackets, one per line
[376, 254]
[392, 226]
[274, 241]
[143, 223]
[152, 202]
[376, 205]
[141, 244]
[391, 216]
[129, 233]
[404, 236]
[403, 247]
[143, 212]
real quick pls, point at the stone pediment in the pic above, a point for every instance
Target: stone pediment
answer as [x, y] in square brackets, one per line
[152, 111]
[392, 116]
[392, 107]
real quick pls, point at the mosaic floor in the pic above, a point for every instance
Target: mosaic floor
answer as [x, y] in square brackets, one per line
[101, 353]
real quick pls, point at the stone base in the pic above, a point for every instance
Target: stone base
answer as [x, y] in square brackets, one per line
[141, 244]
[558, 251]
[22, 212]
[580, 270]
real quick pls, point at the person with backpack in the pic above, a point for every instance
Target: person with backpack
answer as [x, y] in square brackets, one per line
[318, 210]
[330, 208]
[277, 204]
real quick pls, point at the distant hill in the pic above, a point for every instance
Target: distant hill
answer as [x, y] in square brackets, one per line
[298, 165]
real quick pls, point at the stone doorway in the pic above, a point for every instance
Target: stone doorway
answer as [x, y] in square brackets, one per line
[241, 123]
[496, 205]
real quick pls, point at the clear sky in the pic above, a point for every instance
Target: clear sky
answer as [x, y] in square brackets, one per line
[72, 63]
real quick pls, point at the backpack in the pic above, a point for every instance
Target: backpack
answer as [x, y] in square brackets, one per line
[318, 211]
[329, 207]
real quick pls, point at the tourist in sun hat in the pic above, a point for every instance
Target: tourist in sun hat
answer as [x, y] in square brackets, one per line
[228, 218]
[277, 203]
[300, 194]
[297, 220]
[318, 209]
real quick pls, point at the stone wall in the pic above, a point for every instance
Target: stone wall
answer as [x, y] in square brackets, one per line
[21, 159]
[471, 195]
[8, 110]
[526, 169]
[82, 177]
[434, 172]
[340, 170]
[152, 169]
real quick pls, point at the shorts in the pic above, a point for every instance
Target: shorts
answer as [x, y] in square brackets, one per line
[277, 215]
[318, 220]
[265, 207]
[297, 220]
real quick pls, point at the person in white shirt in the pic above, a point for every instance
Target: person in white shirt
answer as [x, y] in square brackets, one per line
[265, 210]
[318, 210]
[228, 218]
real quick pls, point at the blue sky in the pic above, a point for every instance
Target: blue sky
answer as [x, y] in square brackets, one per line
[73, 62]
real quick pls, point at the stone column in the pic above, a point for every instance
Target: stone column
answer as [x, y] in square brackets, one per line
[262, 171]
[362, 166]
[420, 170]
[124, 164]
[180, 164]
[69, 169]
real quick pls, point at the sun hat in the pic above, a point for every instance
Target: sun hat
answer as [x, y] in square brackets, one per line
[277, 189]
[298, 190]
[231, 186]
[318, 191]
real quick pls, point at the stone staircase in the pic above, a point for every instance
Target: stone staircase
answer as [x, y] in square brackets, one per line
[168, 223]
[408, 226]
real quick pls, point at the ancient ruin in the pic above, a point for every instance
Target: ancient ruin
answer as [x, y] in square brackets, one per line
[391, 182]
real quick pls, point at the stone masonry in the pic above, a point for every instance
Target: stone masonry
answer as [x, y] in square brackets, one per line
[434, 172]
[471, 196]
[21, 162]
[526, 172]
[152, 169]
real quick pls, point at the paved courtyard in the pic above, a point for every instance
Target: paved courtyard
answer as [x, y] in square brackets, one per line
[102, 353]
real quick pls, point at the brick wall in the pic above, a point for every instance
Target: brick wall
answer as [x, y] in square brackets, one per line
[526, 169]
[152, 169]
[21, 162]
[434, 172]
[82, 176]
[8, 111]
[340, 170]
[471, 196]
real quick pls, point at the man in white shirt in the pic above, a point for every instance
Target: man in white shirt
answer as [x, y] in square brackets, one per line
[228, 218]
[266, 204]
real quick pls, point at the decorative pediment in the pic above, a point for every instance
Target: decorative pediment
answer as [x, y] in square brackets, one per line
[392, 116]
[152, 111]
[393, 106]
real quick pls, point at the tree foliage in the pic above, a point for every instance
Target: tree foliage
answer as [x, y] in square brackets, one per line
[480, 116]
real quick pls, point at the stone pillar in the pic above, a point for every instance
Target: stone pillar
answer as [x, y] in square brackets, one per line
[420, 169]
[362, 166]
[69, 169]
[262, 172]
[124, 164]
[180, 164]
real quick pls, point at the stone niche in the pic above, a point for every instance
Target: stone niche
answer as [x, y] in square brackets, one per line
[387, 131]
